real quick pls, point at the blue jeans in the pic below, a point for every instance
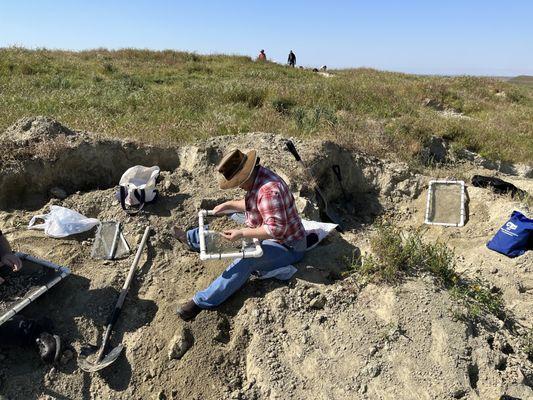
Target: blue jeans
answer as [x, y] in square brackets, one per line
[235, 276]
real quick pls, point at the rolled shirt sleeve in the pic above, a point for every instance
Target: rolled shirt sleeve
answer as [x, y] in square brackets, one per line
[273, 210]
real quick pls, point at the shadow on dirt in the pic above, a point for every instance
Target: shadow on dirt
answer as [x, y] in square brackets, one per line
[78, 312]
[321, 265]
[164, 205]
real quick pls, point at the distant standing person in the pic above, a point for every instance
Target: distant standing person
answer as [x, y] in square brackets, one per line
[262, 56]
[292, 59]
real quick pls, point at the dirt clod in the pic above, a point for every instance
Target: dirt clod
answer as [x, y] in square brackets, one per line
[179, 344]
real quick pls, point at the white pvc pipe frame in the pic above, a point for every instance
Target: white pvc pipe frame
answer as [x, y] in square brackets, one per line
[245, 253]
[430, 192]
[63, 273]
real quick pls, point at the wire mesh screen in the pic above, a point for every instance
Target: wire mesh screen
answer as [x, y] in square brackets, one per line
[22, 287]
[216, 243]
[17, 285]
[107, 234]
[445, 204]
[213, 245]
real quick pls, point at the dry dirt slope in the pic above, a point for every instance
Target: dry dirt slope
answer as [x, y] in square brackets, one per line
[319, 336]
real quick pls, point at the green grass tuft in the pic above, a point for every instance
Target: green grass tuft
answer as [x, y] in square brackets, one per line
[395, 255]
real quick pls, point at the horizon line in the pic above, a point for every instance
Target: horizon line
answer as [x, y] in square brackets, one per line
[402, 70]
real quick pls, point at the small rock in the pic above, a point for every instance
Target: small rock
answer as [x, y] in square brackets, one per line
[318, 302]
[494, 270]
[58, 193]
[180, 343]
[372, 370]
[372, 351]
[436, 150]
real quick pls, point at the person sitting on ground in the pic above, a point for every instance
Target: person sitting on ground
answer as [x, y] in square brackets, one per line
[20, 331]
[262, 56]
[271, 216]
[292, 59]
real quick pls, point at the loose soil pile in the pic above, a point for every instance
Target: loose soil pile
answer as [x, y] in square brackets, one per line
[17, 285]
[321, 335]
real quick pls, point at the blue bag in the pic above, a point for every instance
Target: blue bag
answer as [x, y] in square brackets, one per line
[515, 237]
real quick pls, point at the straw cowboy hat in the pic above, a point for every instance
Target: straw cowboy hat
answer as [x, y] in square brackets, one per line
[236, 167]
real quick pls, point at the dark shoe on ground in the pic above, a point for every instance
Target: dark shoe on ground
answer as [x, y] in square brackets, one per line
[49, 347]
[188, 311]
[181, 235]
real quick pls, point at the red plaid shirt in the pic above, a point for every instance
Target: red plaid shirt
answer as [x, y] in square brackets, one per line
[270, 204]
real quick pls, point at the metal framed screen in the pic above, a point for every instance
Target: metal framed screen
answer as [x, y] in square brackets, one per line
[445, 203]
[109, 242]
[34, 279]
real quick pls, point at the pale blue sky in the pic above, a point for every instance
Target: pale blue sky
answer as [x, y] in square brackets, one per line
[445, 37]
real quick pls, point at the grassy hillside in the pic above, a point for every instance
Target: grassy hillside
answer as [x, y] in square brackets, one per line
[175, 96]
[523, 80]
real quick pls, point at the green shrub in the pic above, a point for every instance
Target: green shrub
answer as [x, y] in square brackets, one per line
[394, 255]
[314, 119]
[195, 67]
[283, 105]
[108, 68]
[26, 69]
[252, 97]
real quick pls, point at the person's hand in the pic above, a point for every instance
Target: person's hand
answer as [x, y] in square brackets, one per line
[221, 208]
[233, 234]
[12, 261]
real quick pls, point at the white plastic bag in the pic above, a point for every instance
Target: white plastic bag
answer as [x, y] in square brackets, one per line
[137, 187]
[62, 222]
[321, 229]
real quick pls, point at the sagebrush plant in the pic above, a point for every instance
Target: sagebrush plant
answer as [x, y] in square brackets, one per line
[395, 255]
[171, 96]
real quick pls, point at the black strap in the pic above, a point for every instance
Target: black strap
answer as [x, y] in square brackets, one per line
[139, 195]
[123, 197]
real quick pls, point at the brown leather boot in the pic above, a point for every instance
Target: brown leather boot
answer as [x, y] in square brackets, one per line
[188, 311]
